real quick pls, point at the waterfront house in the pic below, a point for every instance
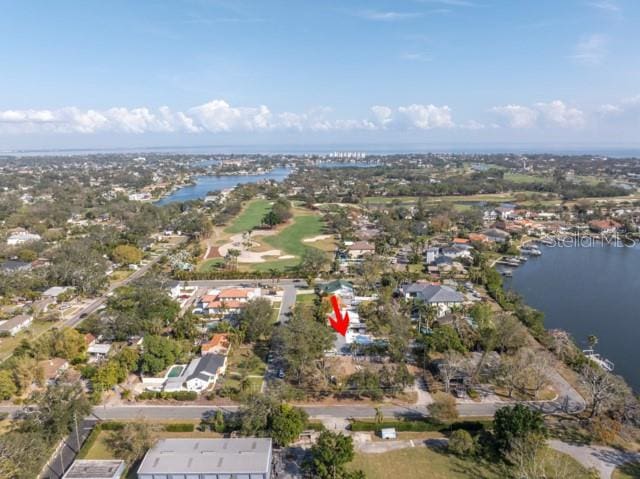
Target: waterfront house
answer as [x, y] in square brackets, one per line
[605, 226]
[496, 235]
[442, 297]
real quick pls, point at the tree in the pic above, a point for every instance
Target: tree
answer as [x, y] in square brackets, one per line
[8, 388]
[132, 441]
[448, 368]
[159, 353]
[444, 338]
[312, 262]
[21, 454]
[302, 342]
[186, 327]
[256, 414]
[515, 422]
[57, 410]
[379, 415]
[67, 343]
[76, 263]
[287, 422]
[592, 339]
[126, 254]
[27, 255]
[600, 386]
[461, 443]
[256, 319]
[329, 455]
[443, 408]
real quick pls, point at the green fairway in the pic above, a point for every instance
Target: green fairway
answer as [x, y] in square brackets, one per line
[289, 240]
[523, 178]
[250, 217]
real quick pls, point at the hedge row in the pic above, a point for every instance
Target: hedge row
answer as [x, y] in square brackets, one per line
[180, 427]
[420, 426]
[177, 395]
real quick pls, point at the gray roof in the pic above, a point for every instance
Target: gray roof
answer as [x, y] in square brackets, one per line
[433, 293]
[208, 364]
[15, 321]
[208, 456]
[95, 469]
[14, 266]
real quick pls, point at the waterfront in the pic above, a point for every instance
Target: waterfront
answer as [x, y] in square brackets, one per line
[206, 184]
[585, 291]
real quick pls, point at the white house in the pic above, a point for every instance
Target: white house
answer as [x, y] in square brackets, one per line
[359, 249]
[16, 324]
[198, 375]
[21, 237]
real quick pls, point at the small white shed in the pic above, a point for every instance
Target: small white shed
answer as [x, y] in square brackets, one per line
[388, 433]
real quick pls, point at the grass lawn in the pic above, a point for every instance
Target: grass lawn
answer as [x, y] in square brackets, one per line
[289, 240]
[627, 471]
[523, 178]
[250, 217]
[420, 462]
[305, 298]
[435, 464]
[211, 264]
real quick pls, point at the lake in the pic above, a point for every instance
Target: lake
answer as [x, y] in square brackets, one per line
[205, 184]
[589, 290]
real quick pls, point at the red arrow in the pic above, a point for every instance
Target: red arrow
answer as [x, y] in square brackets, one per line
[339, 323]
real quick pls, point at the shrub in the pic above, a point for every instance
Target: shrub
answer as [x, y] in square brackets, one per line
[461, 443]
[112, 426]
[176, 395]
[473, 394]
[180, 427]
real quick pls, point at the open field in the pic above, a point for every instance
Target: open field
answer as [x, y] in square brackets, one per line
[435, 463]
[524, 178]
[250, 217]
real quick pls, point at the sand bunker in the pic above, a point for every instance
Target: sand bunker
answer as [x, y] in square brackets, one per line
[317, 238]
[243, 244]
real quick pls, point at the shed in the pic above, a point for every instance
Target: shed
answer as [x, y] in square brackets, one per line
[388, 433]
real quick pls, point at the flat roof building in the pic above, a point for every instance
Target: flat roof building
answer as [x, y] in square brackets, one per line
[95, 469]
[237, 458]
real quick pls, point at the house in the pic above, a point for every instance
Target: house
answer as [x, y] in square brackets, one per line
[505, 211]
[478, 238]
[230, 300]
[55, 291]
[496, 235]
[442, 297]
[218, 344]
[96, 469]
[10, 267]
[16, 324]
[98, 351]
[359, 249]
[339, 287]
[605, 226]
[457, 252]
[21, 237]
[199, 374]
[431, 254]
[53, 368]
[246, 457]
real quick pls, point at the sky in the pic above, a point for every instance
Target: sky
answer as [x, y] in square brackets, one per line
[459, 73]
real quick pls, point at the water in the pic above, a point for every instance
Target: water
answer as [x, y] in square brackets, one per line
[205, 184]
[589, 290]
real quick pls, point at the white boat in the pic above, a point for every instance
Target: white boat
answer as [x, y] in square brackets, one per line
[604, 363]
[530, 250]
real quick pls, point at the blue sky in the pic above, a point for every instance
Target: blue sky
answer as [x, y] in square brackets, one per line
[238, 72]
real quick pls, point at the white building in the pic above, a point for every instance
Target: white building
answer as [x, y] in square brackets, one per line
[16, 324]
[21, 237]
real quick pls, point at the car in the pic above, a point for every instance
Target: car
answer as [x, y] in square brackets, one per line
[281, 373]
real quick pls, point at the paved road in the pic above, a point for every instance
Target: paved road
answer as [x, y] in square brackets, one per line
[65, 456]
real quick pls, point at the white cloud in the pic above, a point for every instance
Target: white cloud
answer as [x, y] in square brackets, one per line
[216, 116]
[606, 5]
[416, 57]
[517, 116]
[387, 16]
[609, 109]
[426, 116]
[555, 113]
[382, 114]
[591, 50]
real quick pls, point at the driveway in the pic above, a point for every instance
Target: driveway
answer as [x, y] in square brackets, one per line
[603, 459]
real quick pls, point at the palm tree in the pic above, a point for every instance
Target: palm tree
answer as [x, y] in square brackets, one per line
[379, 417]
[592, 339]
